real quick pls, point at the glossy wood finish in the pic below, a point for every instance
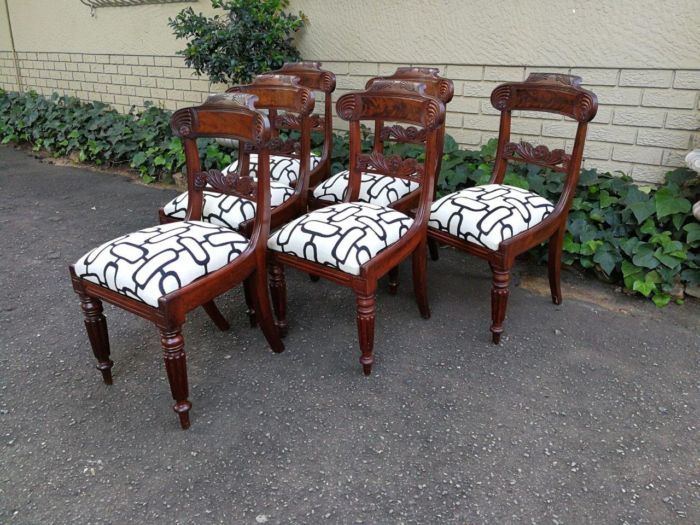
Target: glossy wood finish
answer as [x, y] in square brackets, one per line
[227, 116]
[322, 82]
[407, 104]
[541, 92]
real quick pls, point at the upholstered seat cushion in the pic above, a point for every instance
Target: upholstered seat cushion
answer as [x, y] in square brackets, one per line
[342, 236]
[375, 189]
[282, 169]
[489, 214]
[150, 263]
[226, 210]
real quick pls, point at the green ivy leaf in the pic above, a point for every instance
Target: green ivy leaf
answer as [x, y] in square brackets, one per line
[661, 299]
[667, 203]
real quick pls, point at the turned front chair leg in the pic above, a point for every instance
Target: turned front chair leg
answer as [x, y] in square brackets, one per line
[556, 243]
[96, 326]
[176, 366]
[278, 291]
[499, 302]
[420, 280]
[262, 303]
[215, 315]
[248, 284]
[366, 313]
[394, 280]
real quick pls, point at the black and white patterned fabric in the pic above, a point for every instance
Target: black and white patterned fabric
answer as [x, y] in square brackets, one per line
[375, 189]
[489, 214]
[226, 210]
[150, 263]
[282, 169]
[343, 236]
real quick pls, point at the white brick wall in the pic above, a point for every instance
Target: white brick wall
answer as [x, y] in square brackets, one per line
[647, 118]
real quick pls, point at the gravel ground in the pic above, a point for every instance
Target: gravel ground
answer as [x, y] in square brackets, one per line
[586, 413]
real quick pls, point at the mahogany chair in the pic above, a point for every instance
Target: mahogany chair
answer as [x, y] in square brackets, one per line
[354, 243]
[498, 222]
[402, 195]
[162, 273]
[322, 83]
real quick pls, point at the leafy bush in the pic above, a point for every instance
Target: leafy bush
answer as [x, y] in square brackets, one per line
[643, 237]
[93, 132]
[252, 36]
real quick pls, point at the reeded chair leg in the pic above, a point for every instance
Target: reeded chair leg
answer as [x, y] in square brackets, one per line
[176, 366]
[278, 291]
[366, 313]
[420, 280]
[394, 280]
[262, 304]
[248, 285]
[215, 315]
[96, 326]
[499, 301]
[556, 243]
[434, 248]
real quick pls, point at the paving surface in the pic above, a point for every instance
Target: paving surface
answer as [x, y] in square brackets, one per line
[587, 412]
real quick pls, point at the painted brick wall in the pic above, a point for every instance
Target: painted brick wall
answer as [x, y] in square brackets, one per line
[647, 121]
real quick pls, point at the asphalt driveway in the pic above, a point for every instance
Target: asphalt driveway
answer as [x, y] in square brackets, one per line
[587, 412]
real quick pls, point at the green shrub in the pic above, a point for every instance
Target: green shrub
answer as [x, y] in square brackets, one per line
[641, 236]
[93, 132]
[252, 36]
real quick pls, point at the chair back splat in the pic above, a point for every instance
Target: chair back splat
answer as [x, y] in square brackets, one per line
[498, 222]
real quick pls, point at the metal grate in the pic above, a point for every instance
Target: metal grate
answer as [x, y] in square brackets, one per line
[121, 3]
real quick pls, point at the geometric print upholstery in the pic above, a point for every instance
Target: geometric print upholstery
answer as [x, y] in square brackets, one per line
[282, 169]
[489, 214]
[374, 188]
[342, 236]
[150, 263]
[226, 210]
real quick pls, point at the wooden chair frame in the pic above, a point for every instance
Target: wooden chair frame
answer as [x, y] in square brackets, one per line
[312, 77]
[382, 101]
[220, 116]
[543, 92]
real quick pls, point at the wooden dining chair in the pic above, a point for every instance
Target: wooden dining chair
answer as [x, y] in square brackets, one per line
[354, 243]
[162, 273]
[497, 222]
[402, 195]
[322, 83]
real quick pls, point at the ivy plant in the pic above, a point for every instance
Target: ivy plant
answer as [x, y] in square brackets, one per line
[247, 38]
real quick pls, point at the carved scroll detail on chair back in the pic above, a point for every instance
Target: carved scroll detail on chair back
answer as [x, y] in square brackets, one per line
[279, 92]
[231, 184]
[435, 85]
[556, 159]
[409, 135]
[392, 165]
[208, 120]
[310, 74]
[393, 100]
[552, 92]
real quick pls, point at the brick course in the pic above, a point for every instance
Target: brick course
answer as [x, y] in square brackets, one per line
[647, 118]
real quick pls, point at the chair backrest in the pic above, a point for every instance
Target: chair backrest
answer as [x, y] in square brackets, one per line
[435, 86]
[231, 116]
[402, 102]
[311, 76]
[551, 93]
[290, 107]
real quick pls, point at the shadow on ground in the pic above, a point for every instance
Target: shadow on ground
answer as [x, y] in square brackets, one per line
[586, 413]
